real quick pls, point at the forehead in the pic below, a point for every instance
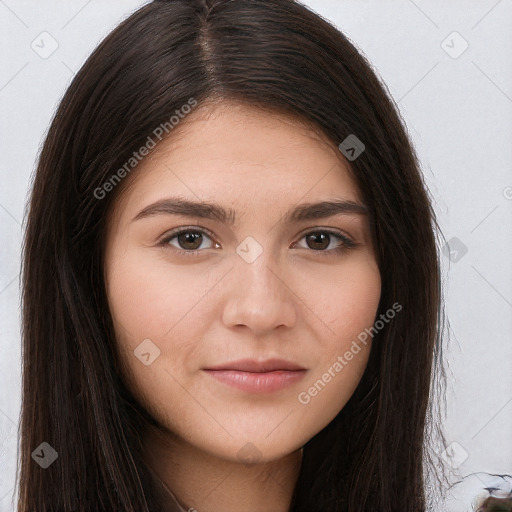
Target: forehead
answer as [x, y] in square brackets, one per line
[248, 157]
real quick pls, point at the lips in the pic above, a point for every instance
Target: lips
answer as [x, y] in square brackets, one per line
[253, 366]
[258, 376]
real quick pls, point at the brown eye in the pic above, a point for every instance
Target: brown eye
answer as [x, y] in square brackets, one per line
[318, 241]
[190, 240]
[326, 241]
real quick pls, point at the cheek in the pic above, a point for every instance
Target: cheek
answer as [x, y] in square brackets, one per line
[348, 304]
[344, 343]
[147, 300]
[344, 301]
[146, 315]
[358, 301]
[157, 314]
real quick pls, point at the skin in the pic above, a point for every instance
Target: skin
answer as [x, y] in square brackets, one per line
[293, 302]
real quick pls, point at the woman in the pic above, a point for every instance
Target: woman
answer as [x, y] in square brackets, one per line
[231, 285]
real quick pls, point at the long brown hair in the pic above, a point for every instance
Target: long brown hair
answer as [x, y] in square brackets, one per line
[280, 56]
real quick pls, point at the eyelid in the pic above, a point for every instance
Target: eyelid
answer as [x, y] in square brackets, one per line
[347, 242]
[169, 235]
[330, 230]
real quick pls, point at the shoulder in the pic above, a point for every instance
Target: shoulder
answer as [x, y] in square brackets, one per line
[469, 493]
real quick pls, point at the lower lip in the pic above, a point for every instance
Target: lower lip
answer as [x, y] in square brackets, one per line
[266, 382]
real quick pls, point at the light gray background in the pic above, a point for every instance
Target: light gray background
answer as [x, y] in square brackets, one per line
[458, 109]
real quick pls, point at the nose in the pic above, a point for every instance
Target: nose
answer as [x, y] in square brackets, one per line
[258, 297]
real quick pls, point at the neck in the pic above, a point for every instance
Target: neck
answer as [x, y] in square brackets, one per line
[207, 483]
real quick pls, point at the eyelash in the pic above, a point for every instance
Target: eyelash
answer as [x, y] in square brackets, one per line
[347, 243]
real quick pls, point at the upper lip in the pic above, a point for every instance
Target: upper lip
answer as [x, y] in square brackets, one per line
[254, 366]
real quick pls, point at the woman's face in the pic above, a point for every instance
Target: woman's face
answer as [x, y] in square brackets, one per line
[236, 334]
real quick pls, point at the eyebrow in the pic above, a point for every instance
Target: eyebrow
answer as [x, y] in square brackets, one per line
[302, 212]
